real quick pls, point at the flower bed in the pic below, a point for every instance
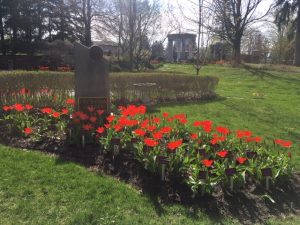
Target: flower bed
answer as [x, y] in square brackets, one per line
[199, 153]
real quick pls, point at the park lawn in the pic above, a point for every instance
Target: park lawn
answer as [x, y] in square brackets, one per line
[37, 188]
[265, 102]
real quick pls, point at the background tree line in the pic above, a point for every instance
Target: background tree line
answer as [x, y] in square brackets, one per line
[26, 25]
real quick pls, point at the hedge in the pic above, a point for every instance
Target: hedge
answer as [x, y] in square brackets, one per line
[168, 87]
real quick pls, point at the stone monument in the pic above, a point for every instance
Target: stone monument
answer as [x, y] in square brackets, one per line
[91, 78]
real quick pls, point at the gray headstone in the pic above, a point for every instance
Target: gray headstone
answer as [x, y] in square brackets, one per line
[91, 78]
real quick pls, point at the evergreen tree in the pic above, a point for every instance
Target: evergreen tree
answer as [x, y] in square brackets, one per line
[288, 11]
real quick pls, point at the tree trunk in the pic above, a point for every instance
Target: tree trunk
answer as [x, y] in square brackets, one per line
[132, 22]
[198, 41]
[3, 48]
[297, 47]
[237, 51]
[88, 36]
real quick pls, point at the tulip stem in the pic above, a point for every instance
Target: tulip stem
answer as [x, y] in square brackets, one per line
[9, 129]
[268, 182]
[163, 171]
[231, 183]
[83, 141]
[202, 189]
[116, 149]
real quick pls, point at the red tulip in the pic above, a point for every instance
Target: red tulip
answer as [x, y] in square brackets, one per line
[197, 123]
[241, 160]
[207, 125]
[166, 130]
[64, 111]
[183, 121]
[254, 139]
[87, 127]
[18, 107]
[93, 119]
[145, 123]
[165, 114]
[100, 112]
[151, 128]
[27, 130]
[6, 108]
[110, 118]
[91, 108]
[283, 143]
[156, 120]
[100, 130]
[243, 133]
[194, 136]
[46, 110]
[56, 114]
[24, 91]
[207, 162]
[118, 127]
[70, 101]
[222, 130]
[28, 106]
[139, 132]
[157, 135]
[222, 154]
[150, 142]
[174, 144]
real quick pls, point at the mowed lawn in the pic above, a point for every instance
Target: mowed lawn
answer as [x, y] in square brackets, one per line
[40, 189]
[265, 102]
[37, 188]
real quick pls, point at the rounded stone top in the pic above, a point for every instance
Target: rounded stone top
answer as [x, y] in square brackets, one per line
[96, 52]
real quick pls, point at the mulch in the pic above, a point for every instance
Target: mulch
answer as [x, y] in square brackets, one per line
[246, 204]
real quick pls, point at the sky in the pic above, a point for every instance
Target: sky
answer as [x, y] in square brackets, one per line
[181, 9]
[176, 14]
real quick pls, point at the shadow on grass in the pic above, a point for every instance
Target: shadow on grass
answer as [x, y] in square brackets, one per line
[264, 74]
[200, 102]
[246, 205]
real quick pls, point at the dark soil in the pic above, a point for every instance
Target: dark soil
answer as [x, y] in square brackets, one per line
[247, 204]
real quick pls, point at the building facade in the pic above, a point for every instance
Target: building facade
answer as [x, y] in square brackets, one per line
[109, 47]
[181, 47]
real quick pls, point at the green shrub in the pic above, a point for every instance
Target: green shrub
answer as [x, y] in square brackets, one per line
[115, 68]
[168, 87]
[61, 85]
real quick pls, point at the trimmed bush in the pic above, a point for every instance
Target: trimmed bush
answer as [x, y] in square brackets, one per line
[56, 86]
[168, 87]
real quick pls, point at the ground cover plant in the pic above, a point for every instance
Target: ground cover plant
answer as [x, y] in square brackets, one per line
[112, 133]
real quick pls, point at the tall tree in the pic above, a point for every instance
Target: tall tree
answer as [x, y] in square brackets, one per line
[234, 17]
[82, 13]
[3, 14]
[134, 22]
[289, 11]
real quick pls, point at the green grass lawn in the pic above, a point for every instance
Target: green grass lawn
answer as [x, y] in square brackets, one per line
[40, 189]
[265, 102]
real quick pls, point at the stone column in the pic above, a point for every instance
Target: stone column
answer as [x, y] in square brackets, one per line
[170, 50]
